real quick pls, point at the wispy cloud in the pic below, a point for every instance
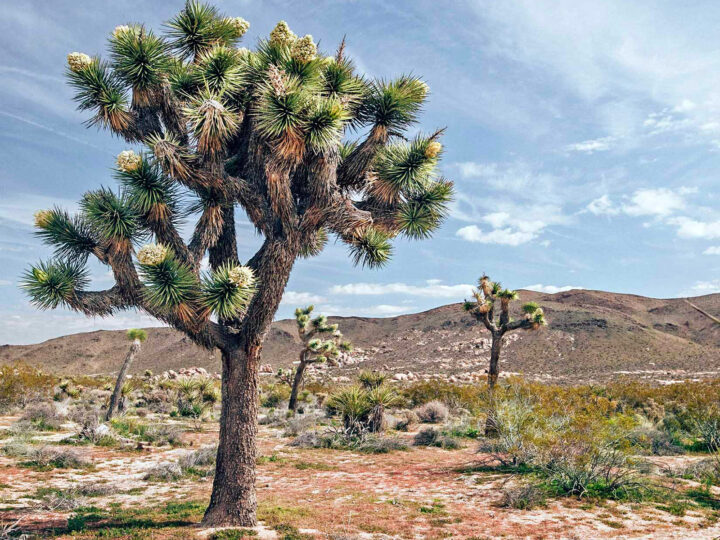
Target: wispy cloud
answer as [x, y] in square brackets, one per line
[432, 289]
[550, 289]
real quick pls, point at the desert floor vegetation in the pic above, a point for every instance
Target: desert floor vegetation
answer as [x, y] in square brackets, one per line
[369, 459]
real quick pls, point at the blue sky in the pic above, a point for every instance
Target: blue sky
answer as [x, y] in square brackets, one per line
[583, 137]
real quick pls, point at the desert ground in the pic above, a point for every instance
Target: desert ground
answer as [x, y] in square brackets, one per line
[148, 474]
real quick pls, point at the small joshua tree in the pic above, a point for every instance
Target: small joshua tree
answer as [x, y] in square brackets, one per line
[223, 128]
[484, 308]
[315, 349]
[136, 336]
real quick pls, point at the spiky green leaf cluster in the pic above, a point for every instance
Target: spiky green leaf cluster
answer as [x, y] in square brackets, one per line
[222, 296]
[139, 58]
[53, 283]
[100, 89]
[199, 27]
[530, 307]
[372, 248]
[168, 284]
[393, 105]
[148, 189]
[507, 294]
[72, 237]
[136, 334]
[111, 215]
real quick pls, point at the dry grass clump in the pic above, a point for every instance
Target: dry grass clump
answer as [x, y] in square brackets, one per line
[525, 496]
[164, 472]
[21, 384]
[433, 437]
[43, 416]
[433, 412]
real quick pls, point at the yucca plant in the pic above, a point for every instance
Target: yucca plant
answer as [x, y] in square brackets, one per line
[483, 309]
[322, 342]
[268, 131]
[136, 336]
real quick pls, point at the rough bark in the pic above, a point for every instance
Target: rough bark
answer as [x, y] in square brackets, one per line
[493, 373]
[115, 398]
[297, 381]
[233, 500]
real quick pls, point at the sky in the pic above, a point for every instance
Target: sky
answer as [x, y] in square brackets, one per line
[583, 138]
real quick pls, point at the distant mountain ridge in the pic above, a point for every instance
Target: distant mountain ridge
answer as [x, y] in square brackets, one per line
[591, 336]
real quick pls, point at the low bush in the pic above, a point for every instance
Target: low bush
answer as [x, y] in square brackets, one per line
[45, 458]
[433, 412]
[164, 472]
[433, 437]
[44, 416]
[21, 384]
[524, 496]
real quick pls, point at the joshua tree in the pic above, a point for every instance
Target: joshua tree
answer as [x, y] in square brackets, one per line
[225, 127]
[483, 308]
[315, 349]
[136, 336]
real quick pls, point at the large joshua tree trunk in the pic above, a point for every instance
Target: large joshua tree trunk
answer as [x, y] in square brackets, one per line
[115, 398]
[233, 500]
[493, 373]
[292, 405]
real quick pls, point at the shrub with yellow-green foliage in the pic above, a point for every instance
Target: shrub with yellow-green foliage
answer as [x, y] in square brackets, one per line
[21, 384]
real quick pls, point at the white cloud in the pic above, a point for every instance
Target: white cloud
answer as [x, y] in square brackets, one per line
[550, 289]
[654, 202]
[691, 228]
[707, 287]
[297, 298]
[431, 290]
[685, 106]
[5, 282]
[594, 145]
[506, 236]
[712, 250]
[602, 206]
[380, 310]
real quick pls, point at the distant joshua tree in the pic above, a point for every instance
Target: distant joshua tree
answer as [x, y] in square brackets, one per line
[136, 336]
[225, 128]
[484, 308]
[315, 349]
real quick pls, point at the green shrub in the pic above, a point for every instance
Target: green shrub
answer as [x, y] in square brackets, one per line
[21, 384]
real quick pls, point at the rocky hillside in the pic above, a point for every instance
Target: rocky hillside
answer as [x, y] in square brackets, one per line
[592, 336]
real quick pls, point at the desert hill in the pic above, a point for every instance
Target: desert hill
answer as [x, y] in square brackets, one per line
[591, 336]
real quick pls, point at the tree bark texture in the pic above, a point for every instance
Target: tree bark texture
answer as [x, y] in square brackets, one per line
[117, 392]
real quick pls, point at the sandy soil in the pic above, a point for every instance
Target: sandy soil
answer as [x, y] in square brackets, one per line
[421, 493]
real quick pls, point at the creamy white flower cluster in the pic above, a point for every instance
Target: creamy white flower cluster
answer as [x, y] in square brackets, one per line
[304, 49]
[78, 61]
[121, 29]
[240, 25]
[152, 254]
[128, 160]
[433, 149]
[277, 80]
[282, 35]
[241, 276]
[42, 218]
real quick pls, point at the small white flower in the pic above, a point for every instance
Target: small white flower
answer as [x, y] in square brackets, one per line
[78, 61]
[241, 276]
[304, 49]
[42, 218]
[152, 254]
[282, 35]
[128, 160]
